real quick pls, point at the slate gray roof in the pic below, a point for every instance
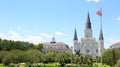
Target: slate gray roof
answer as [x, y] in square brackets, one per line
[88, 23]
[75, 35]
[101, 35]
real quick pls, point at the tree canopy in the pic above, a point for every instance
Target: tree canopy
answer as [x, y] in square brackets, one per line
[111, 56]
[8, 45]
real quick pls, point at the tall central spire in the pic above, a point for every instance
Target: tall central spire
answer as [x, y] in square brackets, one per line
[88, 30]
[88, 23]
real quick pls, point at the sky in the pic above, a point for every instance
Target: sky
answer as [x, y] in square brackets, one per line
[37, 21]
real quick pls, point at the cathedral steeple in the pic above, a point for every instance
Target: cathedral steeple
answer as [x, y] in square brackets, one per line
[101, 35]
[75, 35]
[88, 23]
[88, 30]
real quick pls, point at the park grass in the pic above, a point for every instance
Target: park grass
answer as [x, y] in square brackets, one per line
[1, 65]
[99, 65]
[49, 64]
[57, 65]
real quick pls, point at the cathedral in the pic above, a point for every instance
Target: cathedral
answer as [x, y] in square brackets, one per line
[88, 44]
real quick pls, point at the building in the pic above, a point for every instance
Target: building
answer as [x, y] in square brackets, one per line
[56, 47]
[115, 46]
[88, 44]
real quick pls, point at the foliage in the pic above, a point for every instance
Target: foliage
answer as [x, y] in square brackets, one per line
[63, 59]
[111, 56]
[2, 55]
[118, 63]
[8, 45]
[18, 56]
[39, 46]
[48, 57]
[8, 59]
[33, 56]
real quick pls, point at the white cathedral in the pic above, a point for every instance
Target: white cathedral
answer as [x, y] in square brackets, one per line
[88, 44]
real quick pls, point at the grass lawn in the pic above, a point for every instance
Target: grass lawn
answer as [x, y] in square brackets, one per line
[1, 65]
[67, 65]
[48, 65]
[99, 65]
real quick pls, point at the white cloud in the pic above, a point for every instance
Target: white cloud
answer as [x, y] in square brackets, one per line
[118, 18]
[34, 39]
[12, 35]
[2, 35]
[59, 33]
[46, 35]
[93, 1]
[111, 41]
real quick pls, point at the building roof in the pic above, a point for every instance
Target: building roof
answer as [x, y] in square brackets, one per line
[115, 45]
[55, 43]
[60, 44]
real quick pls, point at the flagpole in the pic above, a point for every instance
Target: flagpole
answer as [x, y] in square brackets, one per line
[101, 29]
[99, 12]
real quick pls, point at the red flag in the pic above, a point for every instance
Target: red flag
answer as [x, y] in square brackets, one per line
[99, 12]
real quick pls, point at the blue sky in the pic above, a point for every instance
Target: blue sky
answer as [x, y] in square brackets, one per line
[37, 21]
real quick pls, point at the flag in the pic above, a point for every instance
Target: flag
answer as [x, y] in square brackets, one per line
[99, 12]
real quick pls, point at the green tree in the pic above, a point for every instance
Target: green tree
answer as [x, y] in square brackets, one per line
[8, 58]
[2, 55]
[63, 59]
[18, 56]
[108, 57]
[111, 56]
[8, 45]
[33, 56]
[39, 46]
[118, 63]
[50, 57]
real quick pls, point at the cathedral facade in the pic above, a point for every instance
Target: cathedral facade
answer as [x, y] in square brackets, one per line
[88, 44]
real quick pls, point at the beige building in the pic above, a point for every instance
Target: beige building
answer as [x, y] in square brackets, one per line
[115, 46]
[56, 47]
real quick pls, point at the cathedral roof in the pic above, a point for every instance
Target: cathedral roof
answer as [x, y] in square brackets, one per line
[101, 35]
[75, 35]
[88, 23]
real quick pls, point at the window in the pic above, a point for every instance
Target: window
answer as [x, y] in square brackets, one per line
[46, 47]
[82, 44]
[56, 51]
[93, 44]
[96, 51]
[88, 51]
[56, 47]
[74, 50]
[63, 47]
